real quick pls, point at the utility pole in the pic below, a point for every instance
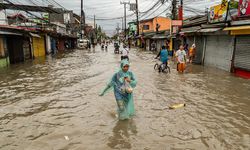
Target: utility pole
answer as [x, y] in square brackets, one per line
[95, 36]
[174, 12]
[94, 21]
[125, 17]
[122, 24]
[117, 30]
[180, 16]
[82, 15]
[137, 18]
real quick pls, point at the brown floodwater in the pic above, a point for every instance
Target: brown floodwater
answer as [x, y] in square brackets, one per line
[53, 104]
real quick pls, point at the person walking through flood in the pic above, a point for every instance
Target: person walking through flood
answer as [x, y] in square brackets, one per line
[181, 59]
[191, 53]
[123, 82]
[125, 53]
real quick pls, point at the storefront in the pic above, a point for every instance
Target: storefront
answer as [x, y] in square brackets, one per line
[147, 38]
[148, 43]
[161, 40]
[241, 58]
[15, 48]
[218, 51]
[48, 44]
[38, 45]
[4, 59]
[27, 49]
[53, 45]
[61, 44]
[193, 36]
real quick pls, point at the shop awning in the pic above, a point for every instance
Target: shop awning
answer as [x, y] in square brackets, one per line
[148, 35]
[9, 33]
[236, 28]
[209, 30]
[35, 35]
[190, 29]
[160, 36]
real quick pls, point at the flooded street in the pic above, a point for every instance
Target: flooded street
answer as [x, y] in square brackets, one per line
[53, 104]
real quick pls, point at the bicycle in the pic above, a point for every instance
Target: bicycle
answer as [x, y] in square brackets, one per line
[162, 67]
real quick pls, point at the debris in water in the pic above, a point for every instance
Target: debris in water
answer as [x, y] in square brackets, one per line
[177, 106]
[66, 138]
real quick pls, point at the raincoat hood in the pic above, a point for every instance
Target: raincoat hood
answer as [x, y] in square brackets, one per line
[124, 63]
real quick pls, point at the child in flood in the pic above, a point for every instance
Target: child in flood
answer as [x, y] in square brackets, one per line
[181, 59]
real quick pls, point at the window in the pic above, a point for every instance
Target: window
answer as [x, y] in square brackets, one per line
[145, 27]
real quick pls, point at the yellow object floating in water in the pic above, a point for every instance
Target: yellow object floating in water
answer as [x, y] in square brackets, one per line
[177, 106]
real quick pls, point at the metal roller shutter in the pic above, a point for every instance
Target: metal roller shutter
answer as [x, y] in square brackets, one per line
[242, 53]
[26, 49]
[190, 40]
[199, 42]
[219, 52]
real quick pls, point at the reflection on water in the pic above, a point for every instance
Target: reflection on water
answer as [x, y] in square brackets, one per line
[121, 134]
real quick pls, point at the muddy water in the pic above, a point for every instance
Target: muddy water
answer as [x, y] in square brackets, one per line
[52, 104]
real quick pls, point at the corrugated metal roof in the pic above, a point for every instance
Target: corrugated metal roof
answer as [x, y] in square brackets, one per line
[160, 36]
[190, 29]
[28, 8]
[209, 30]
[9, 33]
[197, 21]
[163, 35]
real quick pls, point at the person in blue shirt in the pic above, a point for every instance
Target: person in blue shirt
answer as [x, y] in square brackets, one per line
[163, 54]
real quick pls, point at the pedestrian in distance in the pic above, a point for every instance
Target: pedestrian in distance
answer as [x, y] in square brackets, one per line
[153, 46]
[191, 53]
[125, 53]
[89, 44]
[123, 82]
[181, 59]
[106, 46]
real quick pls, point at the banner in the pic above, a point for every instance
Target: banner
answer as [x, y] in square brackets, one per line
[244, 8]
[176, 22]
[218, 13]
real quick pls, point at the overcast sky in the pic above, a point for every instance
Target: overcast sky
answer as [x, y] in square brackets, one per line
[113, 9]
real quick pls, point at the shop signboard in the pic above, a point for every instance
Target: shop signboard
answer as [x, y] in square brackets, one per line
[244, 8]
[218, 13]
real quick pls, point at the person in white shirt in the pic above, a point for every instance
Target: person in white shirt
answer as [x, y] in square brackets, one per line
[181, 59]
[125, 53]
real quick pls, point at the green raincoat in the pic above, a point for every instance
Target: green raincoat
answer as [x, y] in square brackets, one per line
[124, 99]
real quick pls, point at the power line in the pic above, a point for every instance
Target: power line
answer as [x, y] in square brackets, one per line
[154, 6]
[23, 9]
[154, 11]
